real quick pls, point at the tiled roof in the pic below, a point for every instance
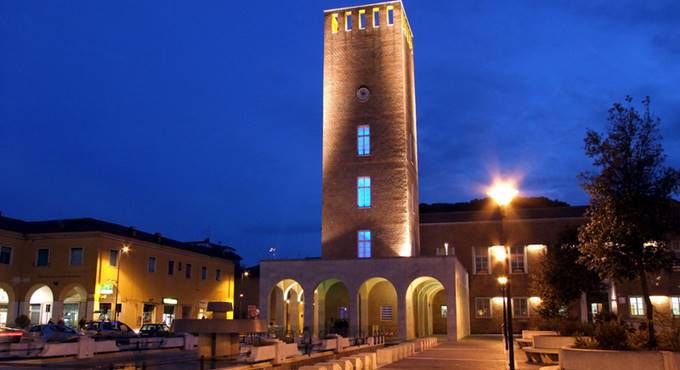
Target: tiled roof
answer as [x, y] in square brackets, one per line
[91, 224]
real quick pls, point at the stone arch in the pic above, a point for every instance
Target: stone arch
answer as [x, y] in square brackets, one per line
[377, 303]
[7, 304]
[331, 308]
[286, 307]
[426, 308]
[40, 300]
[73, 297]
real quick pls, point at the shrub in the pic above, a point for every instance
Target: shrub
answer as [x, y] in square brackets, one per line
[669, 339]
[567, 326]
[611, 334]
[22, 321]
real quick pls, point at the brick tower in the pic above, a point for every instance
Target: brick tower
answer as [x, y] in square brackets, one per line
[370, 163]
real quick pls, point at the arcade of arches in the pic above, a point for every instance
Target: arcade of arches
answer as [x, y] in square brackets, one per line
[408, 298]
[377, 308]
[41, 304]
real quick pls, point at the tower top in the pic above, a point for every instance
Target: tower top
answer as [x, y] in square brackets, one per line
[386, 4]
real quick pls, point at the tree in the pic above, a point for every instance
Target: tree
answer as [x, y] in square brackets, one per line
[630, 196]
[560, 279]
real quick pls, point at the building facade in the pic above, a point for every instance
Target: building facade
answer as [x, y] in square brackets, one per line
[89, 269]
[384, 267]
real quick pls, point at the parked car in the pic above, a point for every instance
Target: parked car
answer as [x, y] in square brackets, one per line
[53, 333]
[108, 329]
[9, 335]
[155, 330]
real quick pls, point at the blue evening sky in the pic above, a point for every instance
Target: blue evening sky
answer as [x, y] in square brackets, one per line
[203, 118]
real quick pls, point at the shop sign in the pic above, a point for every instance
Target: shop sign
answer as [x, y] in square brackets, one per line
[106, 289]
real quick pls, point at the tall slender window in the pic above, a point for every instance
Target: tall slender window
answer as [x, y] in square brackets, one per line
[376, 17]
[334, 23]
[364, 140]
[364, 192]
[364, 243]
[348, 21]
[362, 19]
[390, 15]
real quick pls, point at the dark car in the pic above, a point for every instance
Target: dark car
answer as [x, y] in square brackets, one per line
[53, 333]
[155, 330]
[108, 329]
[9, 335]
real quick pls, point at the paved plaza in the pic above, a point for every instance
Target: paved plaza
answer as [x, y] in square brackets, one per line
[473, 353]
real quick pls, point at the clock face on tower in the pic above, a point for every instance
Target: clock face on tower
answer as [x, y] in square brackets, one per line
[363, 93]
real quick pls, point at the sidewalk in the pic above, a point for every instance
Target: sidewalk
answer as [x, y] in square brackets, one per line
[473, 353]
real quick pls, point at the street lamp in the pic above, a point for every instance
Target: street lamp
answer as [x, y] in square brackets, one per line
[244, 275]
[125, 250]
[240, 305]
[503, 281]
[503, 193]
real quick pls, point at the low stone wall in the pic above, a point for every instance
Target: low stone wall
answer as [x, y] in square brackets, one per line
[594, 359]
[378, 358]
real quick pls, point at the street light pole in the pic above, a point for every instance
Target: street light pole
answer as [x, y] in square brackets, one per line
[503, 193]
[125, 250]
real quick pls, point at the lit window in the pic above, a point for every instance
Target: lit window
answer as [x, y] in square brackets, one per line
[218, 274]
[520, 307]
[364, 140]
[390, 15]
[675, 306]
[517, 259]
[481, 260]
[171, 267]
[334, 23]
[637, 306]
[386, 313]
[364, 192]
[113, 257]
[5, 255]
[76, 257]
[364, 243]
[595, 309]
[348, 21]
[362, 19]
[443, 311]
[204, 273]
[483, 307]
[151, 266]
[187, 272]
[376, 17]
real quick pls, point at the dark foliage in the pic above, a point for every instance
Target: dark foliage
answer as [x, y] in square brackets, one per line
[560, 279]
[488, 204]
[630, 195]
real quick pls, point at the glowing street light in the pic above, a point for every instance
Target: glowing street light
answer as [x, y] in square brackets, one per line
[502, 193]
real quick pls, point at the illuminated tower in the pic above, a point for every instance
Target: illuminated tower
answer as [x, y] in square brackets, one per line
[370, 163]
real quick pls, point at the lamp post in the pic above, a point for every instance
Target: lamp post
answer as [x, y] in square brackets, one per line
[244, 275]
[503, 193]
[502, 280]
[125, 250]
[240, 306]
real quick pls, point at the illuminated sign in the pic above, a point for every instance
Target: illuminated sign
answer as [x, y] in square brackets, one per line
[169, 301]
[106, 289]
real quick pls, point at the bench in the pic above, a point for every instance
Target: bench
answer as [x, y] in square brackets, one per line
[527, 339]
[546, 348]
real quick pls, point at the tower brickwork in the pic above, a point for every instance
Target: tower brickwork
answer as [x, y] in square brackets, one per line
[369, 92]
